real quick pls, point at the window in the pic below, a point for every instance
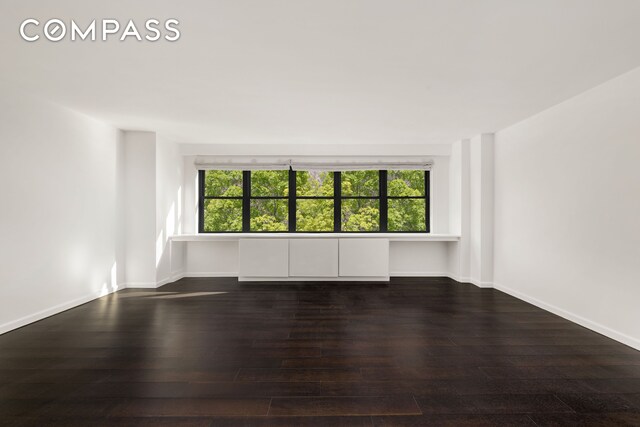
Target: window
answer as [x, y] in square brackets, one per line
[366, 201]
[360, 201]
[269, 201]
[406, 200]
[221, 201]
[315, 201]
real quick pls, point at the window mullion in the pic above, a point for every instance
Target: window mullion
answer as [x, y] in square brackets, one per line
[383, 201]
[201, 201]
[337, 202]
[427, 202]
[246, 201]
[292, 201]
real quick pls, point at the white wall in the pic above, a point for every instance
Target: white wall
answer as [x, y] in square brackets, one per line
[439, 209]
[169, 200]
[458, 256]
[61, 242]
[153, 195]
[567, 209]
[140, 207]
[316, 150]
[481, 184]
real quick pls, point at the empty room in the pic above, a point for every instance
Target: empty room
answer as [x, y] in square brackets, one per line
[320, 213]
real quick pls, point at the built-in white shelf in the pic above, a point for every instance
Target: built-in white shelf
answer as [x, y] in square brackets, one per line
[392, 237]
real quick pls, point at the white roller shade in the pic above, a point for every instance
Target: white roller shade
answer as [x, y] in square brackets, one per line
[344, 165]
[356, 166]
[252, 165]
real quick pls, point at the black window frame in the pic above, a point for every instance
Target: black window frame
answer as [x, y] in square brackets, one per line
[202, 197]
[427, 216]
[337, 198]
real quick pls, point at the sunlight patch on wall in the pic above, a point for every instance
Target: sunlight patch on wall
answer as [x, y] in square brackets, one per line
[114, 277]
[159, 247]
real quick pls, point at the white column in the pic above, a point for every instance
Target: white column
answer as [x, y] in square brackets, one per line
[480, 233]
[140, 208]
[459, 210]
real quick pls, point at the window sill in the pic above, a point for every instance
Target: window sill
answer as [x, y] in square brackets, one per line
[393, 237]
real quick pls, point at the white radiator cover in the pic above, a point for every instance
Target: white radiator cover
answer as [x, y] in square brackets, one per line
[282, 259]
[364, 257]
[313, 257]
[263, 258]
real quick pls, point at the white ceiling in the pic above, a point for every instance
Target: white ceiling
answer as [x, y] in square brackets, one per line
[326, 71]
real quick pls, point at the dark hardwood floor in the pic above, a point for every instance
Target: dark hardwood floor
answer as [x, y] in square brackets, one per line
[212, 352]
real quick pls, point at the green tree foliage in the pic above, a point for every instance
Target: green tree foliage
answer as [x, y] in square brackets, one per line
[223, 214]
[314, 184]
[223, 183]
[270, 183]
[360, 214]
[405, 183]
[269, 214]
[406, 214]
[360, 183]
[314, 213]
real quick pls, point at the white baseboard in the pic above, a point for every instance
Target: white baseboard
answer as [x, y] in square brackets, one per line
[181, 274]
[177, 275]
[164, 281]
[418, 274]
[601, 329]
[481, 284]
[141, 285]
[23, 321]
[150, 285]
[211, 274]
[392, 274]
[173, 278]
[314, 279]
[470, 280]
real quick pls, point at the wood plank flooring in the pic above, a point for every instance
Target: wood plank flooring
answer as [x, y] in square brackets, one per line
[415, 352]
